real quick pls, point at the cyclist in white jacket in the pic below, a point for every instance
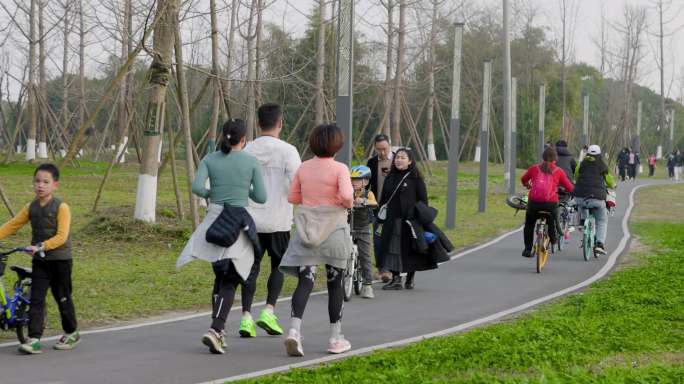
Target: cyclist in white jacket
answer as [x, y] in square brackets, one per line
[279, 162]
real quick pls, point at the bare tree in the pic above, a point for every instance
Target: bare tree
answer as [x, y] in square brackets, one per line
[123, 105]
[146, 198]
[320, 65]
[388, 93]
[568, 15]
[42, 83]
[33, 102]
[399, 74]
[250, 38]
[216, 100]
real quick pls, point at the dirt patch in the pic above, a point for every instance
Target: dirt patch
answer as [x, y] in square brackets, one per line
[635, 361]
[629, 258]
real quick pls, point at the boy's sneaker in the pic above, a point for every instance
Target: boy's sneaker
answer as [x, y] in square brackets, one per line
[68, 342]
[293, 343]
[247, 328]
[600, 249]
[31, 347]
[269, 323]
[367, 291]
[215, 341]
[338, 345]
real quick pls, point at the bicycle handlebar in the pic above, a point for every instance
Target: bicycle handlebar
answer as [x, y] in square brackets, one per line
[20, 249]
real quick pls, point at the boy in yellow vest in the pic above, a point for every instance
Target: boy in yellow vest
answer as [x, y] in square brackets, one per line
[50, 220]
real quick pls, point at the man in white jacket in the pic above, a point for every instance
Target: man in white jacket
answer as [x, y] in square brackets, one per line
[279, 162]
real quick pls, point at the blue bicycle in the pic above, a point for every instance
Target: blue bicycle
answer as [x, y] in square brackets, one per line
[15, 309]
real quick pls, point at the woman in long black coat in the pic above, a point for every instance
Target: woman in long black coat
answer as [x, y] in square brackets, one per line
[397, 252]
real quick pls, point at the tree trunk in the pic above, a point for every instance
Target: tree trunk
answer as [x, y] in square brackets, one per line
[431, 84]
[65, 71]
[42, 83]
[122, 106]
[251, 94]
[257, 56]
[33, 103]
[320, 66]
[389, 94]
[81, 65]
[5, 200]
[146, 197]
[216, 83]
[185, 123]
[661, 120]
[227, 85]
[396, 116]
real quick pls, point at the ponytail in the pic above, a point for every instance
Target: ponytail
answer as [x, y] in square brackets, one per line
[232, 133]
[549, 156]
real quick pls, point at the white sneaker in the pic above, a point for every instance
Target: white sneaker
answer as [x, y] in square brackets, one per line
[215, 341]
[338, 345]
[293, 343]
[367, 291]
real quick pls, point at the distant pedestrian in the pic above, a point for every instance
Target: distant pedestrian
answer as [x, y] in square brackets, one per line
[678, 165]
[671, 165]
[633, 162]
[652, 161]
[622, 160]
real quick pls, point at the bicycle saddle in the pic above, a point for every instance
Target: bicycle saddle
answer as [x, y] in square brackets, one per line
[23, 272]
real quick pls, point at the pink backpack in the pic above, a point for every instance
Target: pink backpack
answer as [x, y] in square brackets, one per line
[544, 187]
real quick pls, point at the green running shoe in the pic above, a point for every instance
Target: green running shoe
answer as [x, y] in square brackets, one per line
[269, 323]
[68, 342]
[31, 347]
[247, 328]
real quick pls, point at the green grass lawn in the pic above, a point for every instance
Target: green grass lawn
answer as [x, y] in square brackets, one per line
[628, 328]
[125, 270]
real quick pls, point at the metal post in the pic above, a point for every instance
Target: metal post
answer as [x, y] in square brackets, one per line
[454, 128]
[514, 134]
[484, 133]
[585, 118]
[345, 77]
[672, 125]
[505, 36]
[542, 114]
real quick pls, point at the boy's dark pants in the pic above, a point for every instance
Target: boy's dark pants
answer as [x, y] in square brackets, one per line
[362, 237]
[56, 275]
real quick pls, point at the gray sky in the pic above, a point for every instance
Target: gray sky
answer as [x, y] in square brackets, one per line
[587, 30]
[292, 16]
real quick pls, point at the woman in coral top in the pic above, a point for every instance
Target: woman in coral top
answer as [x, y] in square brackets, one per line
[322, 188]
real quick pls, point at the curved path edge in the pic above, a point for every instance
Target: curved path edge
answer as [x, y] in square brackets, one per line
[610, 263]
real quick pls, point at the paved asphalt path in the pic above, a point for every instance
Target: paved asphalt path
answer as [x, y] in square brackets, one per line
[487, 281]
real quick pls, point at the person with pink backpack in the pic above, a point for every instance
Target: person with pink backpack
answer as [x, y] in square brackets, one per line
[543, 180]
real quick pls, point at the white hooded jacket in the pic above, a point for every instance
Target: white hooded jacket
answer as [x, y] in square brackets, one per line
[279, 162]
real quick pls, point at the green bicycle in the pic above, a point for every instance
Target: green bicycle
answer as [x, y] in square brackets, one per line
[589, 232]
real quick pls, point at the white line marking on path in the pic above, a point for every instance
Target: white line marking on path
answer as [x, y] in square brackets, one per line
[237, 307]
[461, 327]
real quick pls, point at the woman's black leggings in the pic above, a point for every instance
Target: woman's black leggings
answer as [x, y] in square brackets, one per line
[227, 279]
[305, 285]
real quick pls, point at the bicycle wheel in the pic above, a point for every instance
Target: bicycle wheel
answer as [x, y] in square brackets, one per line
[348, 279]
[358, 278]
[21, 316]
[564, 228]
[586, 239]
[540, 246]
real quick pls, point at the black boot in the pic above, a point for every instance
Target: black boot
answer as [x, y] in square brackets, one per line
[409, 280]
[394, 284]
